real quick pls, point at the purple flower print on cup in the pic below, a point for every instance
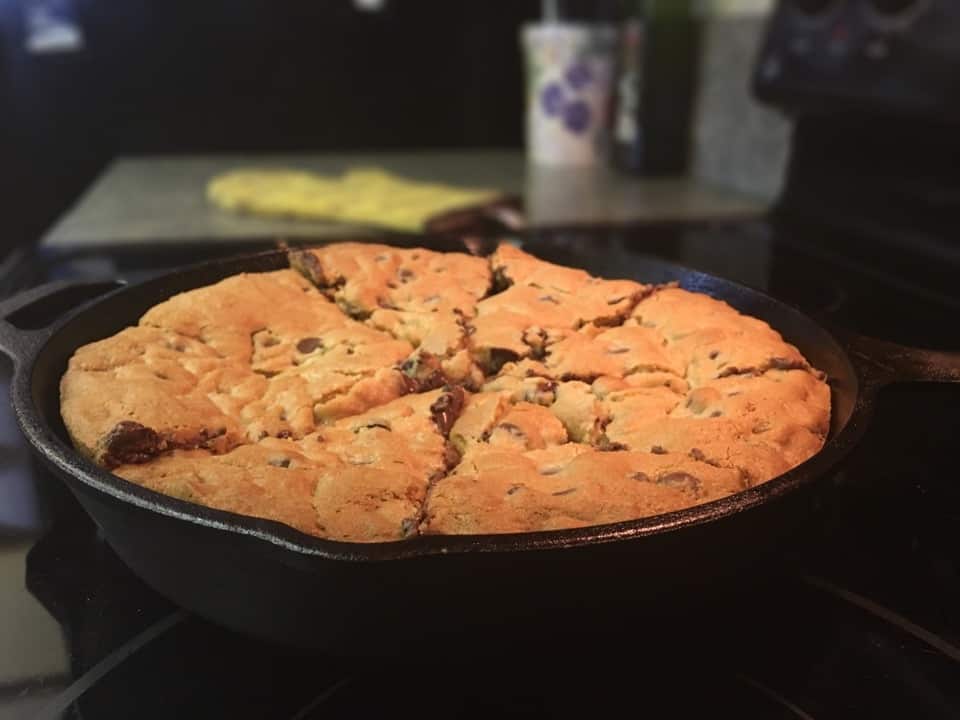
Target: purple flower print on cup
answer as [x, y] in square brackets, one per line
[578, 75]
[552, 99]
[576, 116]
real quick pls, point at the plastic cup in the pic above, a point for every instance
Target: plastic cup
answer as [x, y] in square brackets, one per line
[569, 76]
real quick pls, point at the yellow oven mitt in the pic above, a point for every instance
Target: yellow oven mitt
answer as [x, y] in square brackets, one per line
[363, 197]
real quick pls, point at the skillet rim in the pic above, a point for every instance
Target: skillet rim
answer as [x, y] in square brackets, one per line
[71, 465]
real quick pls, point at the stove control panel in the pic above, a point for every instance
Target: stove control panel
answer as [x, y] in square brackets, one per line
[832, 55]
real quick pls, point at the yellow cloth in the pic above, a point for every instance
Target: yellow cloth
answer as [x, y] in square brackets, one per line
[363, 196]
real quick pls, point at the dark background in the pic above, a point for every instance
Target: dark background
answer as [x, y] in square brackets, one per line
[170, 76]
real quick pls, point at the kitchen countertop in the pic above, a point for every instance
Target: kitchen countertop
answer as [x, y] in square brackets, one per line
[162, 199]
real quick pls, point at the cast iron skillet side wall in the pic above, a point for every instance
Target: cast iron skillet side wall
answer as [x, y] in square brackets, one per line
[264, 578]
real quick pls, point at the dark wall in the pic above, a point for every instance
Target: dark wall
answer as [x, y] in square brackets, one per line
[166, 76]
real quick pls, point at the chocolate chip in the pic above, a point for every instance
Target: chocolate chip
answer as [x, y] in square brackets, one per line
[697, 454]
[280, 462]
[392, 285]
[608, 321]
[714, 354]
[406, 275]
[451, 456]
[716, 413]
[422, 372]
[779, 363]
[446, 409]
[564, 492]
[500, 280]
[130, 442]
[308, 264]
[309, 344]
[658, 450]
[680, 480]
[605, 444]
[514, 488]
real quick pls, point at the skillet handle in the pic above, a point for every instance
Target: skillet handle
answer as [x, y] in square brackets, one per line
[22, 333]
[885, 362]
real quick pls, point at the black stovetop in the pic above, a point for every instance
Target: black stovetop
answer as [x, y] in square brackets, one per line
[863, 621]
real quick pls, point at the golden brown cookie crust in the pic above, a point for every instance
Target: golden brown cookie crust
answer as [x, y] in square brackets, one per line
[372, 393]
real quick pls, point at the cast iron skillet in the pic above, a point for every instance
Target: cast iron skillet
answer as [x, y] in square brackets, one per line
[443, 593]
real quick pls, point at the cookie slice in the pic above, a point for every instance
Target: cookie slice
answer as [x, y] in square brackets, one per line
[570, 486]
[418, 296]
[390, 456]
[513, 266]
[364, 277]
[138, 393]
[787, 409]
[362, 479]
[711, 340]
[540, 300]
[593, 352]
[318, 363]
[281, 306]
[270, 480]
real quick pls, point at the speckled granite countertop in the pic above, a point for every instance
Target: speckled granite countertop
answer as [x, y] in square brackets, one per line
[162, 199]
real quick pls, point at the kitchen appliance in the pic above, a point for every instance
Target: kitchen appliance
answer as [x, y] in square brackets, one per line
[873, 89]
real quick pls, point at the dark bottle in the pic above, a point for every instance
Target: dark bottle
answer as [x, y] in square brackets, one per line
[655, 87]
